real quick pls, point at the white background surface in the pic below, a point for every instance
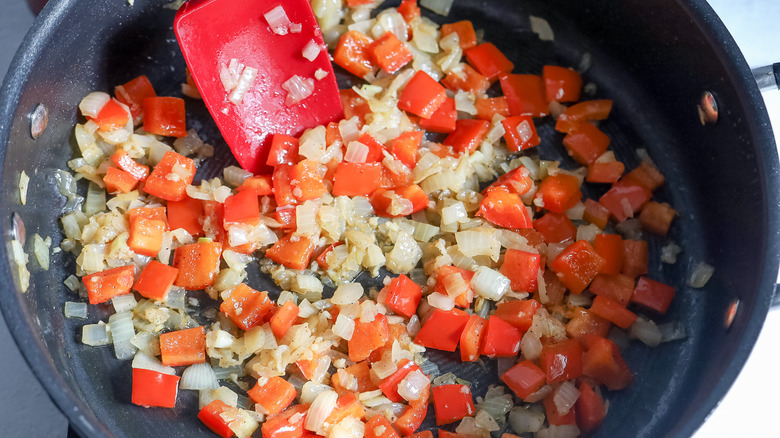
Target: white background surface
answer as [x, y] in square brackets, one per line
[749, 410]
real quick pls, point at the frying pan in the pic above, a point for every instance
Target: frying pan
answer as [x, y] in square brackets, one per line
[655, 59]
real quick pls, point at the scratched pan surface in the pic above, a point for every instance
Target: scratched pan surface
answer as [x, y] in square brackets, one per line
[653, 58]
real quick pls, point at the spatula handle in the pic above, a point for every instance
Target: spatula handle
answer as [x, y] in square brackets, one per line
[767, 77]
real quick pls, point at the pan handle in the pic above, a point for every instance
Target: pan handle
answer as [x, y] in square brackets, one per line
[767, 77]
[775, 304]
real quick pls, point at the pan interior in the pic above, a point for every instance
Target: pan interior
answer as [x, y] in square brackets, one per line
[717, 178]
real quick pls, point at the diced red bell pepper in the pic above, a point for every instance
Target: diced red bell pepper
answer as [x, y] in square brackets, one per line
[490, 106]
[246, 307]
[353, 54]
[556, 417]
[586, 143]
[152, 388]
[561, 361]
[183, 347]
[405, 147]
[198, 264]
[610, 248]
[409, 10]
[585, 322]
[422, 95]
[354, 105]
[517, 181]
[307, 180]
[260, 185]
[272, 394]
[500, 339]
[442, 330]
[525, 95]
[645, 175]
[471, 338]
[379, 427]
[468, 135]
[635, 254]
[657, 217]
[559, 192]
[522, 269]
[284, 150]
[609, 172]
[614, 286]
[582, 112]
[576, 265]
[211, 416]
[556, 228]
[123, 161]
[111, 116]
[403, 296]
[561, 84]
[504, 209]
[292, 252]
[165, 116]
[612, 311]
[520, 133]
[524, 379]
[119, 181]
[165, 183]
[467, 296]
[590, 409]
[519, 313]
[452, 403]
[389, 385]
[382, 201]
[356, 179]
[242, 208]
[284, 318]
[156, 280]
[489, 61]
[133, 94]
[467, 37]
[288, 424]
[282, 183]
[653, 294]
[367, 337]
[146, 235]
[624, 199]
[603, 362]
[443, 120]
[466, 79]
[411, 419]
[595, 213]
[390, 53]
[186, 214]
[104, 285]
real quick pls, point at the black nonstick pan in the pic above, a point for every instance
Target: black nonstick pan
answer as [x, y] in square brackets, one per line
[655, 59]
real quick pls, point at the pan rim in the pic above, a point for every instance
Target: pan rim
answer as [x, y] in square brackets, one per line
[21, 323]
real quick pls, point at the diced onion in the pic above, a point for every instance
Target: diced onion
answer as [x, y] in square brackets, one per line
[540, 394]
[122, 331]
[278, 21]
[357, 152]
[384, 368]
[565, 397]
[244, 83]
[672, 331]
[298, 88]
[92, 103]
[701, 275]
[412, 386]
[646, 331]
[523, 419]
[198, 377]
[347, 293]
[490, 283]
[564, 431]
[542, 28]
[235, 176]
[454, 284]
[41, 250]
[95, 335]
[344, 327]
[320, 410]
[123, 303]
[441, 301]
[75, 310]
[531, 346]
[441, 7]
[497, 407]
[669, 253]
[311, 50]
[146, 362]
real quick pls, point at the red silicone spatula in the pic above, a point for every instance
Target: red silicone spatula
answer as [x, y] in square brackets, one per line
[220, 37]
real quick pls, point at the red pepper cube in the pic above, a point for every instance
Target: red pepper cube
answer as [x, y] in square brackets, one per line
[466, 79]
[170, 177]
[561, 361]
[186, 214]
[379, 427]
[561, 84]
[609, 172]
[183, 347]
[152, 388]
[582, 112]
[595, 213]
[603, 362]
[123, 161]
[119, 181]
[112, 116]
[520, 133]
[422, 95]
[292, 252]
[489, 61]
[612, 311]
[524, 379]
[389, 385]
[390, 53]
[471, 338]
[133, 94]
[653, 294]
[452, 403]
[409, 10]
[576, 265]
[403, 296]
[504, 209]
[246, 307]
[443, 120]
[353, 54]
[165, 116]
[657, 217]
[287, 424]
[367, 337]
[442, 274]
[525, 95]
[468, 135]
[261, 185]
[616, 287]
[586, 143]
[442, 330]
[405, 147]
[522, 269]
[375, 148]
[645, 175]
[610, 248]
[624, 199]
[559, 193]
[356, 179]
[555, 228]
[146, 235]
[242, 208]
[156, 280]
[590, 409]
[211, 416]
[467, 37]
[519, 313]
[585, 322]
[104, 285]
[272, 394]
[635, 254]
[500, 339]
[517, 181]
[198, 264]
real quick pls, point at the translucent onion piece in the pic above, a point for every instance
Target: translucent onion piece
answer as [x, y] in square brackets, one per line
[320, 410]
[669, 253]
[235, 175]
[95, 335]
[123, 303]
[278, 21]
[298, 88]
[701, 275]
[412, 386]
[542, 28]
[497, 407]
[75, 310]
[441, 7]
[490, 283]
[92, 103]
[41, 250]
[565, 397]
[244, 83]
[522, 419]
[357, 152]
[646, 331]
[385, 367]
[198, 377]
[311, 50]
[147, 362]
[344, 327]
[531, 346]
[441, 301]
[672, 331]
[122, 331]
[347, 293]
